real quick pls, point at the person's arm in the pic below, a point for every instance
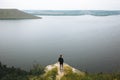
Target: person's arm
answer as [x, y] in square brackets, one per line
[63, 60]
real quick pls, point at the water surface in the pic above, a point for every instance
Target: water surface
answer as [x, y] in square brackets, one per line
[87, 42]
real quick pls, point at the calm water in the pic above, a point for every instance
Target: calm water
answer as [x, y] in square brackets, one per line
[87, 42]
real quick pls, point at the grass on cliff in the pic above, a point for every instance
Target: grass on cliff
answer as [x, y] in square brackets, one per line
[70, 75]
[102, 76]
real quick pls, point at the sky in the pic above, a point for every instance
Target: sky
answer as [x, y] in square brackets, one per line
[62, 4]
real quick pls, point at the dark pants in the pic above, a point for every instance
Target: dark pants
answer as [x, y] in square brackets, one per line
[61, 66]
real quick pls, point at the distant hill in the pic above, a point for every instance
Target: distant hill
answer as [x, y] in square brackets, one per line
[15, 14]
[74, 12]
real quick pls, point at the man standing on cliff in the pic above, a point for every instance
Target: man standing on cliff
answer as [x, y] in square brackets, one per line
[61, 61]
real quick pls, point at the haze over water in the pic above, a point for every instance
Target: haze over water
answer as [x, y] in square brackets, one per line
[87, 42]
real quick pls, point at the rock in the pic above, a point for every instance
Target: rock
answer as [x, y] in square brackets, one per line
[66, 70]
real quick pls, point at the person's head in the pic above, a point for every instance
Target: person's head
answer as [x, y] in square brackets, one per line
[61, 55]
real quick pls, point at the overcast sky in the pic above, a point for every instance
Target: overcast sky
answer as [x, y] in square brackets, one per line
[61, 4]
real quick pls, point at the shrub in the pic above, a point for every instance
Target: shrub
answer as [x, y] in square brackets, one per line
[37, 70]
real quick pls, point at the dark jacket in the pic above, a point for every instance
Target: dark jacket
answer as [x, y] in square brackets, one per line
[61, 60]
